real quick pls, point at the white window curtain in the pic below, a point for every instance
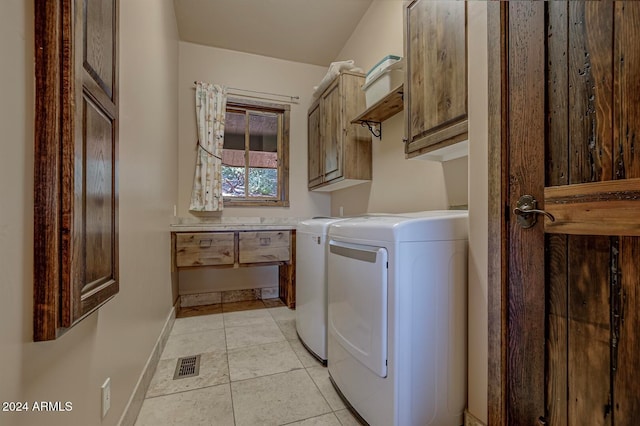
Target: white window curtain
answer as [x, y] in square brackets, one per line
[211, 104]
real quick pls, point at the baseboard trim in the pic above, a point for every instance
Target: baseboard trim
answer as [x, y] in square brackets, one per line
[471, 420]
[134, 404]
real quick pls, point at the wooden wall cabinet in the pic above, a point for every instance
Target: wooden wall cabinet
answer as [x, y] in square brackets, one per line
[435, 89]
[76, 162]
[339, 151]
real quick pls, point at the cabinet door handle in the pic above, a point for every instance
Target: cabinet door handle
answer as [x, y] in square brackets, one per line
[205, 243]
[265, 241]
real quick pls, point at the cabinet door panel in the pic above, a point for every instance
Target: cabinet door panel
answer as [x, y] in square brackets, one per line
[315, 166]
[76, 162]
[94, 277]
[332, 134]
[436, 72]
[96, 199]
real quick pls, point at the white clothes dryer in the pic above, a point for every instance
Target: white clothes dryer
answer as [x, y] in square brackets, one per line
[311, 284]
[397, 317]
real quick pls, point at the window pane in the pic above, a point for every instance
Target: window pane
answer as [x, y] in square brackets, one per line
[233, 164]
[263, 182]
[263, 132]
[234, 130]
[263, 155]
[233, 181]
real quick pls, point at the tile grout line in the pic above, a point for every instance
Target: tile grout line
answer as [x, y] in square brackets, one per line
[317, 387]
[226, 353]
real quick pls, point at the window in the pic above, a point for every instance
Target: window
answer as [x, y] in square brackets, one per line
[255, 154]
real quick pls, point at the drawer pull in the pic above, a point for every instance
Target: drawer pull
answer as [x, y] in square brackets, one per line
[205, 243]
[265, 241]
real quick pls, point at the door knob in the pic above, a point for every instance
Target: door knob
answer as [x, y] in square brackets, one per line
[527, 212]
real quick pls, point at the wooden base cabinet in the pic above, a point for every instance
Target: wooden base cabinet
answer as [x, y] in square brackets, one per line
[339, 152]
[234, 249]
[435, 88]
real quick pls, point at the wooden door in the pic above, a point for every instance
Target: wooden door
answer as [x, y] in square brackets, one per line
[435, 100]
[90, 206]
[332, 136]
[314, 156]
[564, 317]
[76, 162]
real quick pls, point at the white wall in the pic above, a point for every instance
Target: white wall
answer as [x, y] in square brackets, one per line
[478, 208]
[398, 185]
[117, 340]
[252, 72]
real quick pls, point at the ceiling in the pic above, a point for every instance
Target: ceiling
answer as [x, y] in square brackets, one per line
[308, 31]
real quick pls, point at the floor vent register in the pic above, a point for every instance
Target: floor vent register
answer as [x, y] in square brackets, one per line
[188, 366]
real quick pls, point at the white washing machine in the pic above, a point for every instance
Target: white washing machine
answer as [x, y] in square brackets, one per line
[397, 317]
[311, 284]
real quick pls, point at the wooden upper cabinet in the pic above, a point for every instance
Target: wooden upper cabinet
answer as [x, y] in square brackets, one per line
[315, 149]
[435, 89]
[76, 162]
[339, 152]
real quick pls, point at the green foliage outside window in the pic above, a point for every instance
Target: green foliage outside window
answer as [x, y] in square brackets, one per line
[263, 182]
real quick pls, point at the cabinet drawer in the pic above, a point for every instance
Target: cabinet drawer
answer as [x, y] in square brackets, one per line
[258, 247]
[204, 248]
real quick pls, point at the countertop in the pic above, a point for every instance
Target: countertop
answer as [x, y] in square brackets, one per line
[234, 224]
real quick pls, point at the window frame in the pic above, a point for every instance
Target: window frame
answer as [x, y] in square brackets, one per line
[282, 197]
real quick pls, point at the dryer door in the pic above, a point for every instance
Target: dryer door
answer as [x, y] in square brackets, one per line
[357, 277]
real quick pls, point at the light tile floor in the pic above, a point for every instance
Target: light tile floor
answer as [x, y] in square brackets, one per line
[253, 372]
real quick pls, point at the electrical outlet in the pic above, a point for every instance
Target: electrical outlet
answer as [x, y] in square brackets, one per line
[106, 396]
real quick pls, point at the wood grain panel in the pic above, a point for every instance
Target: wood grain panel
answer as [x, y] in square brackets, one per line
[98, 39]
[557, 173]
[450, 73]
[97, 172]
[590, 90]
[76, 190]
[332, 132]
[590, 141]
[205, 249]
[498, 224]
[46, 247]
[314, 154]
[94, 273]
[259, 247]
[626, 376]
[557, 330]
[557, 170]
[436, 74]
[287, 277]
[416, 22]
[589, 333]
[526, 309]
[626, 300]
[602, 208]
[356, 144]
[627, 90]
